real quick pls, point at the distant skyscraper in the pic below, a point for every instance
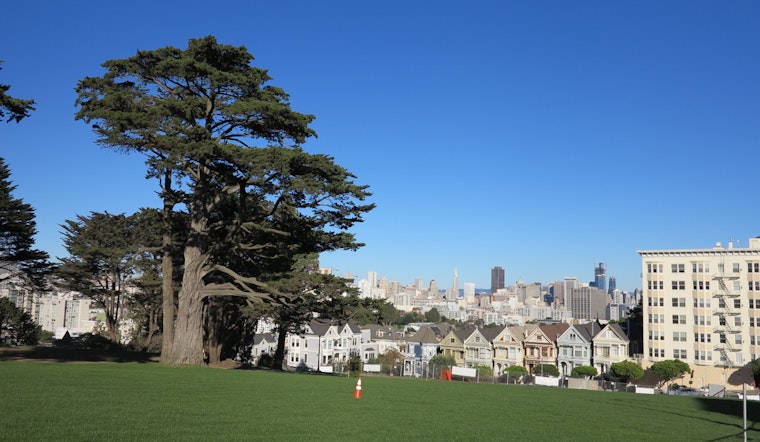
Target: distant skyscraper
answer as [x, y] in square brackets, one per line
[613, 285]
[497, 279]
[600, 277]
[455, 285]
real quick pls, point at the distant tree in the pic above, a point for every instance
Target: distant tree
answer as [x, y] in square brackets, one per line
[756, 372]
[16, 325]
[145, 303]
[666, 371]
[391, 361]
[545, 370]
[442, 361]
[514, 372]
[584, 371]
[15, 109]
[18, 257]
[627, 370]
[635, 329]
[432, 315]
[102, 249]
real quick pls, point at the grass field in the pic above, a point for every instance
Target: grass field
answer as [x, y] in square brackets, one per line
[131, 401]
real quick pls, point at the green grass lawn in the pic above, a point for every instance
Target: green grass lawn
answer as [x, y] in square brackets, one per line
[128, 401]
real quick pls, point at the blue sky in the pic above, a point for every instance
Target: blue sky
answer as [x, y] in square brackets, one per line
[543, 137]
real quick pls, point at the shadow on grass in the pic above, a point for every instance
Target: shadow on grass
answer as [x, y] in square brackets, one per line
[66, 354]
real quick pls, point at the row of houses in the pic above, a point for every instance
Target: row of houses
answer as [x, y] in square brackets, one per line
[320, 347]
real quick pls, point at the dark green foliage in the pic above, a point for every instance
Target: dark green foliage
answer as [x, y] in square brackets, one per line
[584, 371]
[18, 257]
[432, 315]
[102, 250]
[756, 371]
[16, 326]
[545, 370]
[668, 370]
[15, 109]
[442, 361]
[626, 370]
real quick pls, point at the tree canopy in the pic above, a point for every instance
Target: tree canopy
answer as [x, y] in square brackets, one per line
[583, 371]
[226, 146]
[668, 370]
[16, 326]
[102, 248]
[13, 109]
[627, 370]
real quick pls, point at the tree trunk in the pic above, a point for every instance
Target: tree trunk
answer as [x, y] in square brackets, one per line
[187, 347]
[167, 270]
[278, 359]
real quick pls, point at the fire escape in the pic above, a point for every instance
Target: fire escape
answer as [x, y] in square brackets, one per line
[726, 314]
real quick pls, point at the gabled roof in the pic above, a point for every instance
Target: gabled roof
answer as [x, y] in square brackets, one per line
[553, 331]
[263, 337]
[517, 333]
[615, 328]
[490, 333]
[425, 335]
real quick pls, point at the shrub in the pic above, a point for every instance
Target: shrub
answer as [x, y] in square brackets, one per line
[584, 371]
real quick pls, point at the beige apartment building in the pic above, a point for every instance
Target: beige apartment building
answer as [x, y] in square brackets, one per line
[702, 306]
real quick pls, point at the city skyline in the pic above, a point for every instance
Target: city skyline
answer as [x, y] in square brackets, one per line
[541, 137]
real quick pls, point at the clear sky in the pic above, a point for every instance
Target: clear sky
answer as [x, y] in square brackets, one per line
[540, 136]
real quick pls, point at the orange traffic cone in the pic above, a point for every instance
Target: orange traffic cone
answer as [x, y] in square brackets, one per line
[358, 390]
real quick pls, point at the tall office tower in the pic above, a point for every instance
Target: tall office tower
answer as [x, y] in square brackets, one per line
[600, 277]
[455, 285]
[434, 289]
[699, 306]
[497, 279]
[613, 285]
[588, 303]
[469, 292]
[418, 284]
[558, 293]
[372, 279]
[570, 284]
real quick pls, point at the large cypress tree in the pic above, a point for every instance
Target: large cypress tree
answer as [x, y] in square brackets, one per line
[212, 128]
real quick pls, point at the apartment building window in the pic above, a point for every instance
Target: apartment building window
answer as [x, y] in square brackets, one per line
[679, 302]
[721, 303]
[656, 319]
[754, 286]
[721, 268]
[737, 303]
[678, 285]
[679, 354]
[699, 267]
[701, 302]
[751, 321]
[654, 302]
[655, 335]
[679, 336]
[702, 320]
[735, 267]
[677, 268]
[753, 267]
[703, 337]
[722, 339]
[700, 285]
[738, 339]
[737, 321]
[655, 285]
[654, 268]
[722, 321]
[679, 319]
